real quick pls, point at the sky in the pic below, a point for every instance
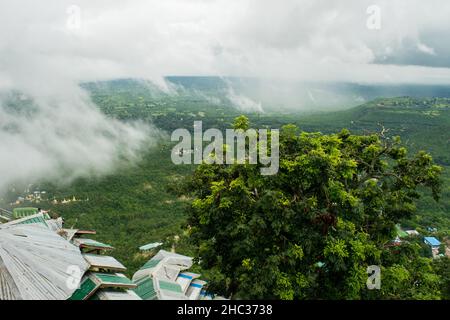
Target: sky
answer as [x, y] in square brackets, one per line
[309, 40]
[48, 48]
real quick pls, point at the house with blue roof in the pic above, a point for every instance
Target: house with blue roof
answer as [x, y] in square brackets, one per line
[432, 242]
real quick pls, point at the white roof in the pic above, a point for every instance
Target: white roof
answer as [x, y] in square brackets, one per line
[105, 262]
[168, 266]
[174, 259]
[90, 242]
[170, 281]
[55, 224]
[68, 234]
[149, 246]
[37, 263]
[109, 294]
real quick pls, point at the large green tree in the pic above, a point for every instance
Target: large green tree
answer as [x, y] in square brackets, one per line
[311, 230]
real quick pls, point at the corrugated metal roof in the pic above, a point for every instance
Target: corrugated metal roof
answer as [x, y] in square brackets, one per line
[35, 218]
[170, 286]
[110, 294]
[8, 288]
[146, 289]
[5, 215]
[68, 234]
[86, 289]
[24, 212]
[81, 232]
[150, 246]
[173, 261]
[432, 241]
[109, 280]
[104, 262]
[195, 289]
[151, 264]
[163, 278]
[157, 278]
[93, 244]
[184, 279]
[35, 262]
[55, 225]
[169, 290]
[116, 286]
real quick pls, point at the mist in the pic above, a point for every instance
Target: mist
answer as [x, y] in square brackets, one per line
[62, 138]
[46, 51]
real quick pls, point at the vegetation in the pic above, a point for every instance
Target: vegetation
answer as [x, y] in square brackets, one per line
[144, 203]
[311, 230]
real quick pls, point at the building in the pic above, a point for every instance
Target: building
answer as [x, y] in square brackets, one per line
[5, 215]
[35, 259]
[150, 246]
[165, 277]
[412, 233]
[24, 212]
[432, 242]
[41, 260]
[104, 279]
[399, 232]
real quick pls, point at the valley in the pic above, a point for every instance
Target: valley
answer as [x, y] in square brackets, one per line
[140, 203]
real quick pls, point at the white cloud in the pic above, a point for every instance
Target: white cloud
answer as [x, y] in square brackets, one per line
[425, 49]
[45, 51]
[307, 39]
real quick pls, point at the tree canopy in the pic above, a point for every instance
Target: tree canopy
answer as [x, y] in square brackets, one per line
[311, 230]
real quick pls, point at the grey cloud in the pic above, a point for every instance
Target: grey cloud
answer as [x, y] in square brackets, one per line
[44, 55]
[312, 40]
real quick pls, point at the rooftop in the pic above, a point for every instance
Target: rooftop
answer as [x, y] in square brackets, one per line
[37, 257]
[432, 241]
[165, 277]
[34, 262]
[150, 246]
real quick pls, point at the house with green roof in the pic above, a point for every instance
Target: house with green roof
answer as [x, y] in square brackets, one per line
[165, 277]
[400, 232]
[24, 212]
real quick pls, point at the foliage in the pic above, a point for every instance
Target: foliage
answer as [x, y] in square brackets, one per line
[311, 230]
[142, 203]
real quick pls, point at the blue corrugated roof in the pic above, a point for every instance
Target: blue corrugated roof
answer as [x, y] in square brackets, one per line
[432, 241]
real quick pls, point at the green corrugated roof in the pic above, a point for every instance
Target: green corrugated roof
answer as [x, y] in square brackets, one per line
[40, 219]
[400, 232]
[169, 286]
[113, 279]
[86, 288]
[149, 246]
[94, 243]
[145, 289]
[150, 264]
[24, 212]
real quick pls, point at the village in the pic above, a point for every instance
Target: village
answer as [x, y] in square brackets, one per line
[38, 196]
[437, 249]
[41, 259]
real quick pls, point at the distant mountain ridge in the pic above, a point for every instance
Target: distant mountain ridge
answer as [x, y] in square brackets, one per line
[274, 95]
[423, 123]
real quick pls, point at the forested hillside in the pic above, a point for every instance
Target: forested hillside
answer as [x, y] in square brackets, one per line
[141, 203]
